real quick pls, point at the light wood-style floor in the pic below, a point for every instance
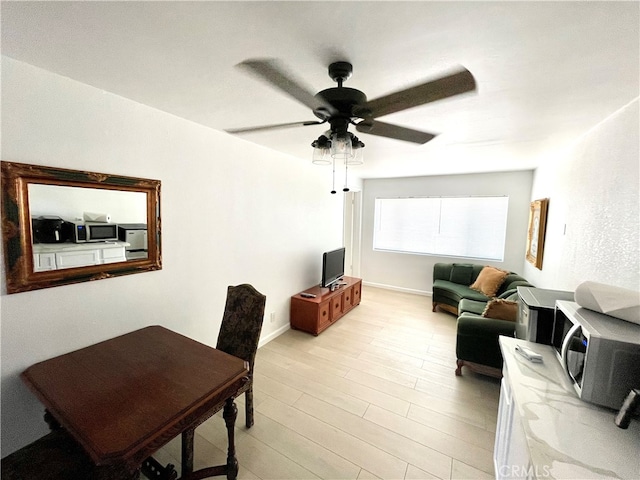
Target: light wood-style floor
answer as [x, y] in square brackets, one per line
[374, 396]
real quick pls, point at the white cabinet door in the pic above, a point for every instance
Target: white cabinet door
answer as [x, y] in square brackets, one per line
[44, 262]
[518, 458]
[79, 258]
[112, 255]
[511, 458]
[503, 431]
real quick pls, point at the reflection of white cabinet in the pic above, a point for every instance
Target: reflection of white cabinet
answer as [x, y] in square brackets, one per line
[44, 261]
[69, 255]
[79, 258]
[113, 255]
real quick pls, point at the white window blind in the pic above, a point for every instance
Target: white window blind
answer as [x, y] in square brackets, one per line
[470, 227]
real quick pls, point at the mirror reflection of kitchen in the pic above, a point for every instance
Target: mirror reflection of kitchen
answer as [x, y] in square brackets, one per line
[77, 226]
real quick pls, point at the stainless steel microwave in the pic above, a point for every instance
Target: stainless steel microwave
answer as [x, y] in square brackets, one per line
[599, 353]
[81, 232]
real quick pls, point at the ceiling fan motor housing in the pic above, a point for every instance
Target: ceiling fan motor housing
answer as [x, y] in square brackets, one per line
[343, 99]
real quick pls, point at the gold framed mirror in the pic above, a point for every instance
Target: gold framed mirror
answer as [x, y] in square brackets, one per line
[67, 252]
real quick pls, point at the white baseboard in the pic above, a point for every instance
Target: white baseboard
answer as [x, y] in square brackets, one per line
[272, 335]
[398, 289]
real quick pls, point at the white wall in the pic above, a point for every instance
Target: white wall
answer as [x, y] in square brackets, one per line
[593, 225]
[231, 213]
[593, 230]
[415, 272]
[72, 203]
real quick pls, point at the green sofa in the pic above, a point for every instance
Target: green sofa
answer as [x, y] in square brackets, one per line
[477, 345]
[477, 341]
[451, 286]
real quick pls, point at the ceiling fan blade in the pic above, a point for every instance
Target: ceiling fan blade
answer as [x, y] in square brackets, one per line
[271, 127]
[273, 73]
[397, 132]
[454, 84]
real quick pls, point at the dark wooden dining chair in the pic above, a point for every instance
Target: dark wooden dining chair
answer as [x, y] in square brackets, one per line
[240, 332]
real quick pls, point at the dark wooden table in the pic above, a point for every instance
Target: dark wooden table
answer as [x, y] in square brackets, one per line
[124, 398]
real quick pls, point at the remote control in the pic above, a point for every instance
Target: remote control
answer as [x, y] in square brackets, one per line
[307, 295]
[529, 354]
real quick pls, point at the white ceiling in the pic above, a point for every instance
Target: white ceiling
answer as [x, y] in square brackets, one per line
[546, 71]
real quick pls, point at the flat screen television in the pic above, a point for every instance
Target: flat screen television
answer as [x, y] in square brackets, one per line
[332, 266]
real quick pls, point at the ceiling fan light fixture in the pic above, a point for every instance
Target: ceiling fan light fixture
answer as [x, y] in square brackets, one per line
[357, 148]
[321, 156]
[357, 158]
[341, 148]
[321, 151]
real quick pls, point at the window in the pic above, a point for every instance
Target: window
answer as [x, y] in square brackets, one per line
[470, 227]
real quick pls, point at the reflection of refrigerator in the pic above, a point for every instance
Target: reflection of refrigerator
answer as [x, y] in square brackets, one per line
[536, 309]
[135, 234]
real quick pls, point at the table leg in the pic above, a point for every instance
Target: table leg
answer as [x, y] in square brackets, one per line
[187, 452]
[230, 414]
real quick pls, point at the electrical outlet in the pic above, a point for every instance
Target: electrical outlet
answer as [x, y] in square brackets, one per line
[272, 317]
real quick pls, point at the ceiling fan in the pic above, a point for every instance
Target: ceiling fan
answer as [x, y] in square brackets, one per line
[341, 106]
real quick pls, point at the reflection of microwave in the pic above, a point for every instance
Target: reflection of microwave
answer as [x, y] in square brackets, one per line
[81, 232]
[599, 353]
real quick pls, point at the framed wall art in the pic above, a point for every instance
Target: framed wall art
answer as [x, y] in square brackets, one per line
[537, 227]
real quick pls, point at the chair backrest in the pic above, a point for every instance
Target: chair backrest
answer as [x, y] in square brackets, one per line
[242, 322]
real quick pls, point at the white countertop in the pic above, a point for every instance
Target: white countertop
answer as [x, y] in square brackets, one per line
[567, 438]
[74, 247]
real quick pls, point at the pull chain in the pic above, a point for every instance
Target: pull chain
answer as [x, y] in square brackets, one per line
[333, 189]
[346, 167]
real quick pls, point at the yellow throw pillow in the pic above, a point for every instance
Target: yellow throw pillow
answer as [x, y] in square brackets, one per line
[501, 309]
[489, 280]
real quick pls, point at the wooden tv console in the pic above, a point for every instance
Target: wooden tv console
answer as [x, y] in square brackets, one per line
[316, 314]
